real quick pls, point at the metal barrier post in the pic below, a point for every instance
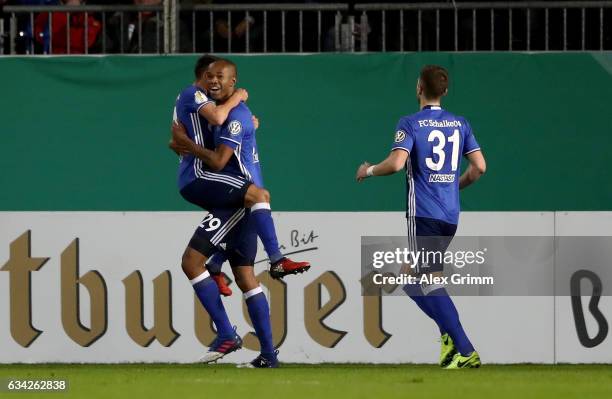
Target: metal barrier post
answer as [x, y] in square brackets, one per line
[12, 33]
[1, 36]
[166, 19]
[174, 36]
[364, 31]
[337, 23]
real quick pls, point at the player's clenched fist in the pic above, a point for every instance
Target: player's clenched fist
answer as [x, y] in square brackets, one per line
[362, 171]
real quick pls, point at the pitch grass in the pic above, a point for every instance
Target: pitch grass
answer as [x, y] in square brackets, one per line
[294, 381]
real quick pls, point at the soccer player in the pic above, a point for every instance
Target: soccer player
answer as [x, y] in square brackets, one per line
[230, 229]
[428, 144]
[203, 185]
[215, 263]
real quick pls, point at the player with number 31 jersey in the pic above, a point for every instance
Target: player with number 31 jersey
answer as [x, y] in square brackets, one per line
[429, 145]
[436, 141]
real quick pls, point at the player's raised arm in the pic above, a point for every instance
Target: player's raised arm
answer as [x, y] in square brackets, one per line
[475, 169]
[217, 114]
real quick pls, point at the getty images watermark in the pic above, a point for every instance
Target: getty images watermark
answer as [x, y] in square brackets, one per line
[420, 266]
[488, 266]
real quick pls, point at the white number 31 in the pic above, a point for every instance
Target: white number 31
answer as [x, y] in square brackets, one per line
[438, 149]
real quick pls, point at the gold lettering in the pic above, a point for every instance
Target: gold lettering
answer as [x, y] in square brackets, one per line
[315, 312]
[19, 266]
[95, 285]
[162, 329]
[372, 311]
[372, 321]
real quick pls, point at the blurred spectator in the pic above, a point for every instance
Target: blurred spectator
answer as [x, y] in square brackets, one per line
[67, 39]
[24, 42]
[240, 22]
[129, 34]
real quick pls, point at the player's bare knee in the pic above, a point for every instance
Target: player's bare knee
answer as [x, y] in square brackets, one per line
[240, 282]
[244, 277]
[187, 262]
[192, 263]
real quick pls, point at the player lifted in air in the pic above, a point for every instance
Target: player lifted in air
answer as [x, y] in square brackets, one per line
[196, 175]
[428, 145]
[228, 226]
[200, 179]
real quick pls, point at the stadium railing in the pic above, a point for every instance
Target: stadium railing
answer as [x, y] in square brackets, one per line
[306, 22]
[21, 31]
[487, 26]
[266, 28]
[275, 25]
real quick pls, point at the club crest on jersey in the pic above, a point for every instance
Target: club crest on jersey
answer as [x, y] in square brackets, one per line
[199, 97]
[400, 135]
[234, 127]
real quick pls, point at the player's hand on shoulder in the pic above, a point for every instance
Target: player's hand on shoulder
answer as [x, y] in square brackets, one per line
[242, 94]
[255, 121]
[362, 171]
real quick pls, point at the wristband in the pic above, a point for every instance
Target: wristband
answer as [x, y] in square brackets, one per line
[370, 171]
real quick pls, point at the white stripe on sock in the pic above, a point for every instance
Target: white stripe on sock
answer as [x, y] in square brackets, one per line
[430, 288]
[252, 292]
[260, 205]
[201, 277]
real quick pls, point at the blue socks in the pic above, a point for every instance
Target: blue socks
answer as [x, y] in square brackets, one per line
[415, 293]
[208, 294]
[259, 312]
[264, 224]
[448, 319]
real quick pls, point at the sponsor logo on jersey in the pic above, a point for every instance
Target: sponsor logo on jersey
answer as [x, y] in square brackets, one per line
[441, 178]
[199, 97]
[400, 135]
[234, 127]
[435, 123]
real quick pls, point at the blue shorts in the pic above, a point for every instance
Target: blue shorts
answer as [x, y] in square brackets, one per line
[222, 195]
[431, 235]
[231, 231]
[216, 191]
[242, 244]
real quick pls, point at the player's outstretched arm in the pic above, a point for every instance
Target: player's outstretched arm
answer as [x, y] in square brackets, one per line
[217, 114]
[475, 169]
[181, 143]
[392, 164]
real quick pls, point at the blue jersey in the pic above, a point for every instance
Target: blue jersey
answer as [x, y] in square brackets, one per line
[186, 110]
[238, 132]
[436, 141]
